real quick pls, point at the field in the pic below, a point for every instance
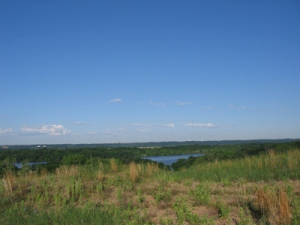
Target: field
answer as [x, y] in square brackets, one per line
[261, 189]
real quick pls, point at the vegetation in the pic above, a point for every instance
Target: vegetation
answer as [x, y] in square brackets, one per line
[258, 184]
[82, 155]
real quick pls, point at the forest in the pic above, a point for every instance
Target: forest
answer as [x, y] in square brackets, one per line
[58, 156]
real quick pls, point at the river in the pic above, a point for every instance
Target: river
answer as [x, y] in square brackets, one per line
[168, 160]
[20, 165]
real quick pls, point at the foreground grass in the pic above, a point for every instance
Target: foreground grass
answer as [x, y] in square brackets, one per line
[265, 167]
[255, 190]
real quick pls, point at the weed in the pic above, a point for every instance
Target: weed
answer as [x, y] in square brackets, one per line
[224, 210]
[114, 165]
[119, 196]
[165, 221]
[194, 219]
[289, 190]
[274, 205]
[8, 182]
[202, 194]
[133, 171]
[100, 175]
[152, 168]
[245, 218]
[100, 188]
[184, 214]
[141, 198]
[67, 171]
[163, 198]
[127, 185]
[295, 203]
[226, 182]
[181, 210]
[188, 183]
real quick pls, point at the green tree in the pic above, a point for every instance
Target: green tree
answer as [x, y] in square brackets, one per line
[74, 159]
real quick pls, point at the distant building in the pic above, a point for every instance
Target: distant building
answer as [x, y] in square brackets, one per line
[41, 146]
[5, 147]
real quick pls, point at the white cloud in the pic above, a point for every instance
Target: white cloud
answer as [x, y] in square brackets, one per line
[78, 123]
[116, 100]
[6, 131]
[47, 129]
[206, 107]
[167, 125]
[184, 103]
[231, 106]
[136, 125]
[171, 125]
[114, 132]
[157, 104]
[206, 125]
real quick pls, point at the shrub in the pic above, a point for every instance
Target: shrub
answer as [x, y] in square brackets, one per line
[74, 159]
[202, 194]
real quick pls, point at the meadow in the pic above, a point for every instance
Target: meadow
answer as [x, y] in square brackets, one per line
[259, 189]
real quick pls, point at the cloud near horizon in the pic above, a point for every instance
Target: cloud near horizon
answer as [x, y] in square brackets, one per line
[166, 125]
[231, 106]
[171, 125]
[54, 129]
[116, 100]
[206, 125]
[6, 131]
[158, 104]
[78, 123]
[184, 103]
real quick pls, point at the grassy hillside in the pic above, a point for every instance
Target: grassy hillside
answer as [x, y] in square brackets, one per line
[261, 189]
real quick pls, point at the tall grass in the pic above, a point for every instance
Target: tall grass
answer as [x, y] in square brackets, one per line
[8, 181]
[271, 166]
[67, 171]
[100, 175]
[100, 172]
[274, 205]
[152, 168]
[114, 165]
[133, 171]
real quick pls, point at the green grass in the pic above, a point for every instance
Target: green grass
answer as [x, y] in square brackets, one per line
[266, 167]
[208, 193]
[88, 214]
[201, 194]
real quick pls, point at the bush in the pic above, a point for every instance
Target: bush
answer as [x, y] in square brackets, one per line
[75, 159]
[202, 194]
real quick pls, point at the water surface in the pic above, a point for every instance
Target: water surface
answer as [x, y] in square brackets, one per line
[168, 160]
[20, 165]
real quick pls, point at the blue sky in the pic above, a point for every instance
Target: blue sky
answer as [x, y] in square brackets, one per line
[136, 71]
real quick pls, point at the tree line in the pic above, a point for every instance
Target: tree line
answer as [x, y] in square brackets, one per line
[71, 156]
